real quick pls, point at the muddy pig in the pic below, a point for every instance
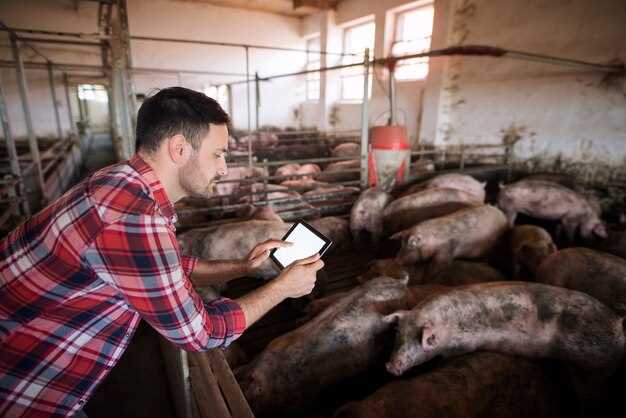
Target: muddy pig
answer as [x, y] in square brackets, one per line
[598, 274]
[233, 241]
[475, 385]
[340, 342]
[412, 209]
[347, 150]
[519, 318]
[334, 171]
[551, 201]
[458, 273]
[457, 181]
[467, 233]
[337, 229]
[367, 214]
[530, 245]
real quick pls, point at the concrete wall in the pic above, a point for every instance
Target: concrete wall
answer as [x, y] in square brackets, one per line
[559, 113]
[163, 18]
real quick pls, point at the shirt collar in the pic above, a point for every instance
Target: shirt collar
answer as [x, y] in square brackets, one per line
[155, 186]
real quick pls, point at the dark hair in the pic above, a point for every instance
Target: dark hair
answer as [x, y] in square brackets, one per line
[176, 110]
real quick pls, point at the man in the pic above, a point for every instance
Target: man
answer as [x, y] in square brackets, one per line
[76, 278]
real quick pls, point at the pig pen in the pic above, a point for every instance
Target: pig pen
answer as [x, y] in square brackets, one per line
[340, 274]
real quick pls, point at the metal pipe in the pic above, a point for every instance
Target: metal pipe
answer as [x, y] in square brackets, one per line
[471, 50]
[392, 97]
[60, 41]
[14, 163]
[53, 93]
[365, 120]
[236, 45]
[247, 51]
[32, 139]
[66, 85]
[55, 33]
[257, 98]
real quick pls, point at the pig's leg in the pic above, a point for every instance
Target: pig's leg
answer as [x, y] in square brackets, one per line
[570, 225]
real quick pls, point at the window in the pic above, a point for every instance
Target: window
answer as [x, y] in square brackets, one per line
[94, 92]
[355, 40]
[219, 93]
[413, 32]
[313, 60]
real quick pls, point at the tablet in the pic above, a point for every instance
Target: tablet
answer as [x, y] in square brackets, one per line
[306, 242]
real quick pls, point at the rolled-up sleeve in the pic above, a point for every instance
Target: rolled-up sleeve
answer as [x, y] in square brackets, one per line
[140, 257]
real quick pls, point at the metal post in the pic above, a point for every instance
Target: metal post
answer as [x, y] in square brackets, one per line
[66, 84]
[266, 168]
[257, 98]
[248, 106]
[392, 96]
[53, 93]
[12, 152]
[365, 120]
[32, 139]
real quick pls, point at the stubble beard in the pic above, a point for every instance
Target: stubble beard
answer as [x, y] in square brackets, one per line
[192, 181]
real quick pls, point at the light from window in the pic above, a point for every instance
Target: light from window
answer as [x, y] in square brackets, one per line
[413, 34]
[355, 40]
[313, 60]
[219, 93]
[95, 92]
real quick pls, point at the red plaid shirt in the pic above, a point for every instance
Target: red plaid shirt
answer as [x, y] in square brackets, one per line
[76, 278]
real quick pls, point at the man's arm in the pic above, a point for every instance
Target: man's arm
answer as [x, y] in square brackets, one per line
[218, 272]
[139, 257]
[296, 280]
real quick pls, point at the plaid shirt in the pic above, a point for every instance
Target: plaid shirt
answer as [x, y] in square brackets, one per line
[77, 277]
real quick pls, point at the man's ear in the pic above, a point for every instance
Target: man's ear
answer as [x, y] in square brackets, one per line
[178, 149]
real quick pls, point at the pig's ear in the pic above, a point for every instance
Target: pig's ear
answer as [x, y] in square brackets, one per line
[600, 230]
[394, 317]
[429, 338]
[483, 184]
[398, 235]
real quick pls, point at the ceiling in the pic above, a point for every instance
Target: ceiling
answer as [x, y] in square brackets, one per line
[297, 8]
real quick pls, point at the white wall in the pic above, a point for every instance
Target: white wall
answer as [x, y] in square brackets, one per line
[559, 112]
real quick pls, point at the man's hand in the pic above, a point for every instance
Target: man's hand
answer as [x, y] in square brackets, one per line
[299, 278]
[260, 253]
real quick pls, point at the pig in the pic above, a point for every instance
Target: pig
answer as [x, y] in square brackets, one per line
[308, 169]
[598, 274]
[339, 343]
[231, 187]
[333, 172]
[233, 241]
[263, 213]
[347, 150]
[570, 183]
[259, 140]
[530, 245]
[526, 319]
[337, 229]
[304, 185]
[275, 191]
[412, 209]
[287, 170]
[456, 181]
[475, 385]
[467, 233]
[458, 273]
[551, 201]
[366, 214]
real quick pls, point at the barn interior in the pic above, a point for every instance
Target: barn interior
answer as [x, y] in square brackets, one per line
[351, 115]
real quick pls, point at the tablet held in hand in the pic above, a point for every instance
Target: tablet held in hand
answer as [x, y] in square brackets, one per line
[306, 242]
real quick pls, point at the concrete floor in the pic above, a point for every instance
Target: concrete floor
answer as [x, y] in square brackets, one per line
[137, 386]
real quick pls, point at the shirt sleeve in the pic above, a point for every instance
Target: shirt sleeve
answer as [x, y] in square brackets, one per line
[140, 257]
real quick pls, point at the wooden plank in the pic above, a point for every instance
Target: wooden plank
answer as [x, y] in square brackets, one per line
[206, 390]
[230, 388]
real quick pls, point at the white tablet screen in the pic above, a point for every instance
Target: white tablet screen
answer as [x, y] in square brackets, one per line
[306, 243]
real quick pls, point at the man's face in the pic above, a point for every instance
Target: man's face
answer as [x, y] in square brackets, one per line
[207, 165]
